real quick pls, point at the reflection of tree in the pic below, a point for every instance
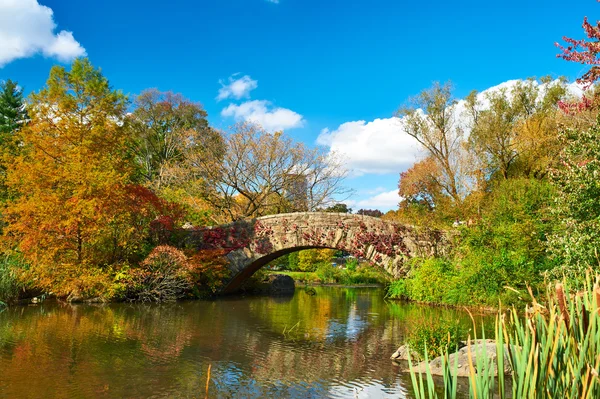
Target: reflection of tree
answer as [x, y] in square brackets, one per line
[344, 336]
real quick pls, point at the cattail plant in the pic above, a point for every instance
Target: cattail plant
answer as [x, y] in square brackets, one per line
[553, 350]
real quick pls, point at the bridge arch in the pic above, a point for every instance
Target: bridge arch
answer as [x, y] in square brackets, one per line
[250, 244]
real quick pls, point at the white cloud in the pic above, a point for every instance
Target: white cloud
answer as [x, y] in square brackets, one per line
[382, 201]
[27, 28]
[380, 146]
[273, 1]
[261, 111]
[237, 88]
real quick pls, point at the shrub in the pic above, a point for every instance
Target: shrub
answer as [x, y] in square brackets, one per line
[435, 338]
[327, 273]
[429, 280]
[10, 286]
[352, 264]
[293, 261]
[397, 290]
[208, 271]
[162, 276]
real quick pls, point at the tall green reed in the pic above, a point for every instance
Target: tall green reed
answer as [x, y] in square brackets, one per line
[553, 350]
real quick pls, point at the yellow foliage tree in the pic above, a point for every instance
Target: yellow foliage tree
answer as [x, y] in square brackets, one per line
[73, 215]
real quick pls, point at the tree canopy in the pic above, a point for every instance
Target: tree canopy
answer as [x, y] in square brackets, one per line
[75, 213]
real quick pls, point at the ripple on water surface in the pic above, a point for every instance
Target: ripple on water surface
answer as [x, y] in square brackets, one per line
[334, 344]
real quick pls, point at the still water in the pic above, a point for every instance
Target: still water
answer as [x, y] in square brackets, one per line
[335, 344]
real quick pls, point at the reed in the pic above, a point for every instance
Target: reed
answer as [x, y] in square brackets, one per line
[553, 349]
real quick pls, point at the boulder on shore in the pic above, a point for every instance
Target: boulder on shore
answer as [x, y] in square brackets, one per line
[281, 284]
[481, 347]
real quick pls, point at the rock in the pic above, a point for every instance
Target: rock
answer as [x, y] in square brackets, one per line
[402, 353]
[95, 300]
[280, 284]
[480, 347]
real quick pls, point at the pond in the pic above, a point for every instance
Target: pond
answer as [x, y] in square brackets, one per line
[335, 344]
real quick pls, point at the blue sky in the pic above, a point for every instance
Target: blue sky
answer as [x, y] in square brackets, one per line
[301, 65]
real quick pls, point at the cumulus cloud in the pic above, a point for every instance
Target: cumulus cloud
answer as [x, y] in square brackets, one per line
[27, 28]
[383, 201]
[262, 112]
[380, 146]
[236, 88]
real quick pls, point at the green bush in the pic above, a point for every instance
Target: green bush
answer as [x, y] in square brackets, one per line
[429, 280]
[293, 262]
[352, 264]
[327, 273]
[435, 338]
[505, 248]
[10, 286]
[397, 290]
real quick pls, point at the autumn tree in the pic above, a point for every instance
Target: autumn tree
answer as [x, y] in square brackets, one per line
[261, 173]
[432, 119]
[420, 184]
[73, 216]
[581, 112]
[422, 197]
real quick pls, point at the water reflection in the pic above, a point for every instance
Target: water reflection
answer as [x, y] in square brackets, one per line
[334, 344]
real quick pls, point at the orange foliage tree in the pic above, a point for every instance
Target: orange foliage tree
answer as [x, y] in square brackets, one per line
[75, 214]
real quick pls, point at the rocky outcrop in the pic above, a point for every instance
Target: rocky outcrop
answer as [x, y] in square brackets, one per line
[272, 285]
[280, 284]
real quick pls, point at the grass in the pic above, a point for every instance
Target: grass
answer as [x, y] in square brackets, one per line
[553, 349]
[327, 274]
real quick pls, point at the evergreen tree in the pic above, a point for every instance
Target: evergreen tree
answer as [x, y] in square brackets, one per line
[12, 116]
[12, 109]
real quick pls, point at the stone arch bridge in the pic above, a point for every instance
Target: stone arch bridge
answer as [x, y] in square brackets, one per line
[248, 245]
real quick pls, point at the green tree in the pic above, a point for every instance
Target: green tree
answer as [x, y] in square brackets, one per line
[339, 208]
[13, 115]
[12, 110]
[376, 213]
[168, 130]
[577, 206]
[310, 259]
[514, 130]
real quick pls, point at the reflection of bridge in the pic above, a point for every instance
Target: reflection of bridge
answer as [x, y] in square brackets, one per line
[251, 244]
